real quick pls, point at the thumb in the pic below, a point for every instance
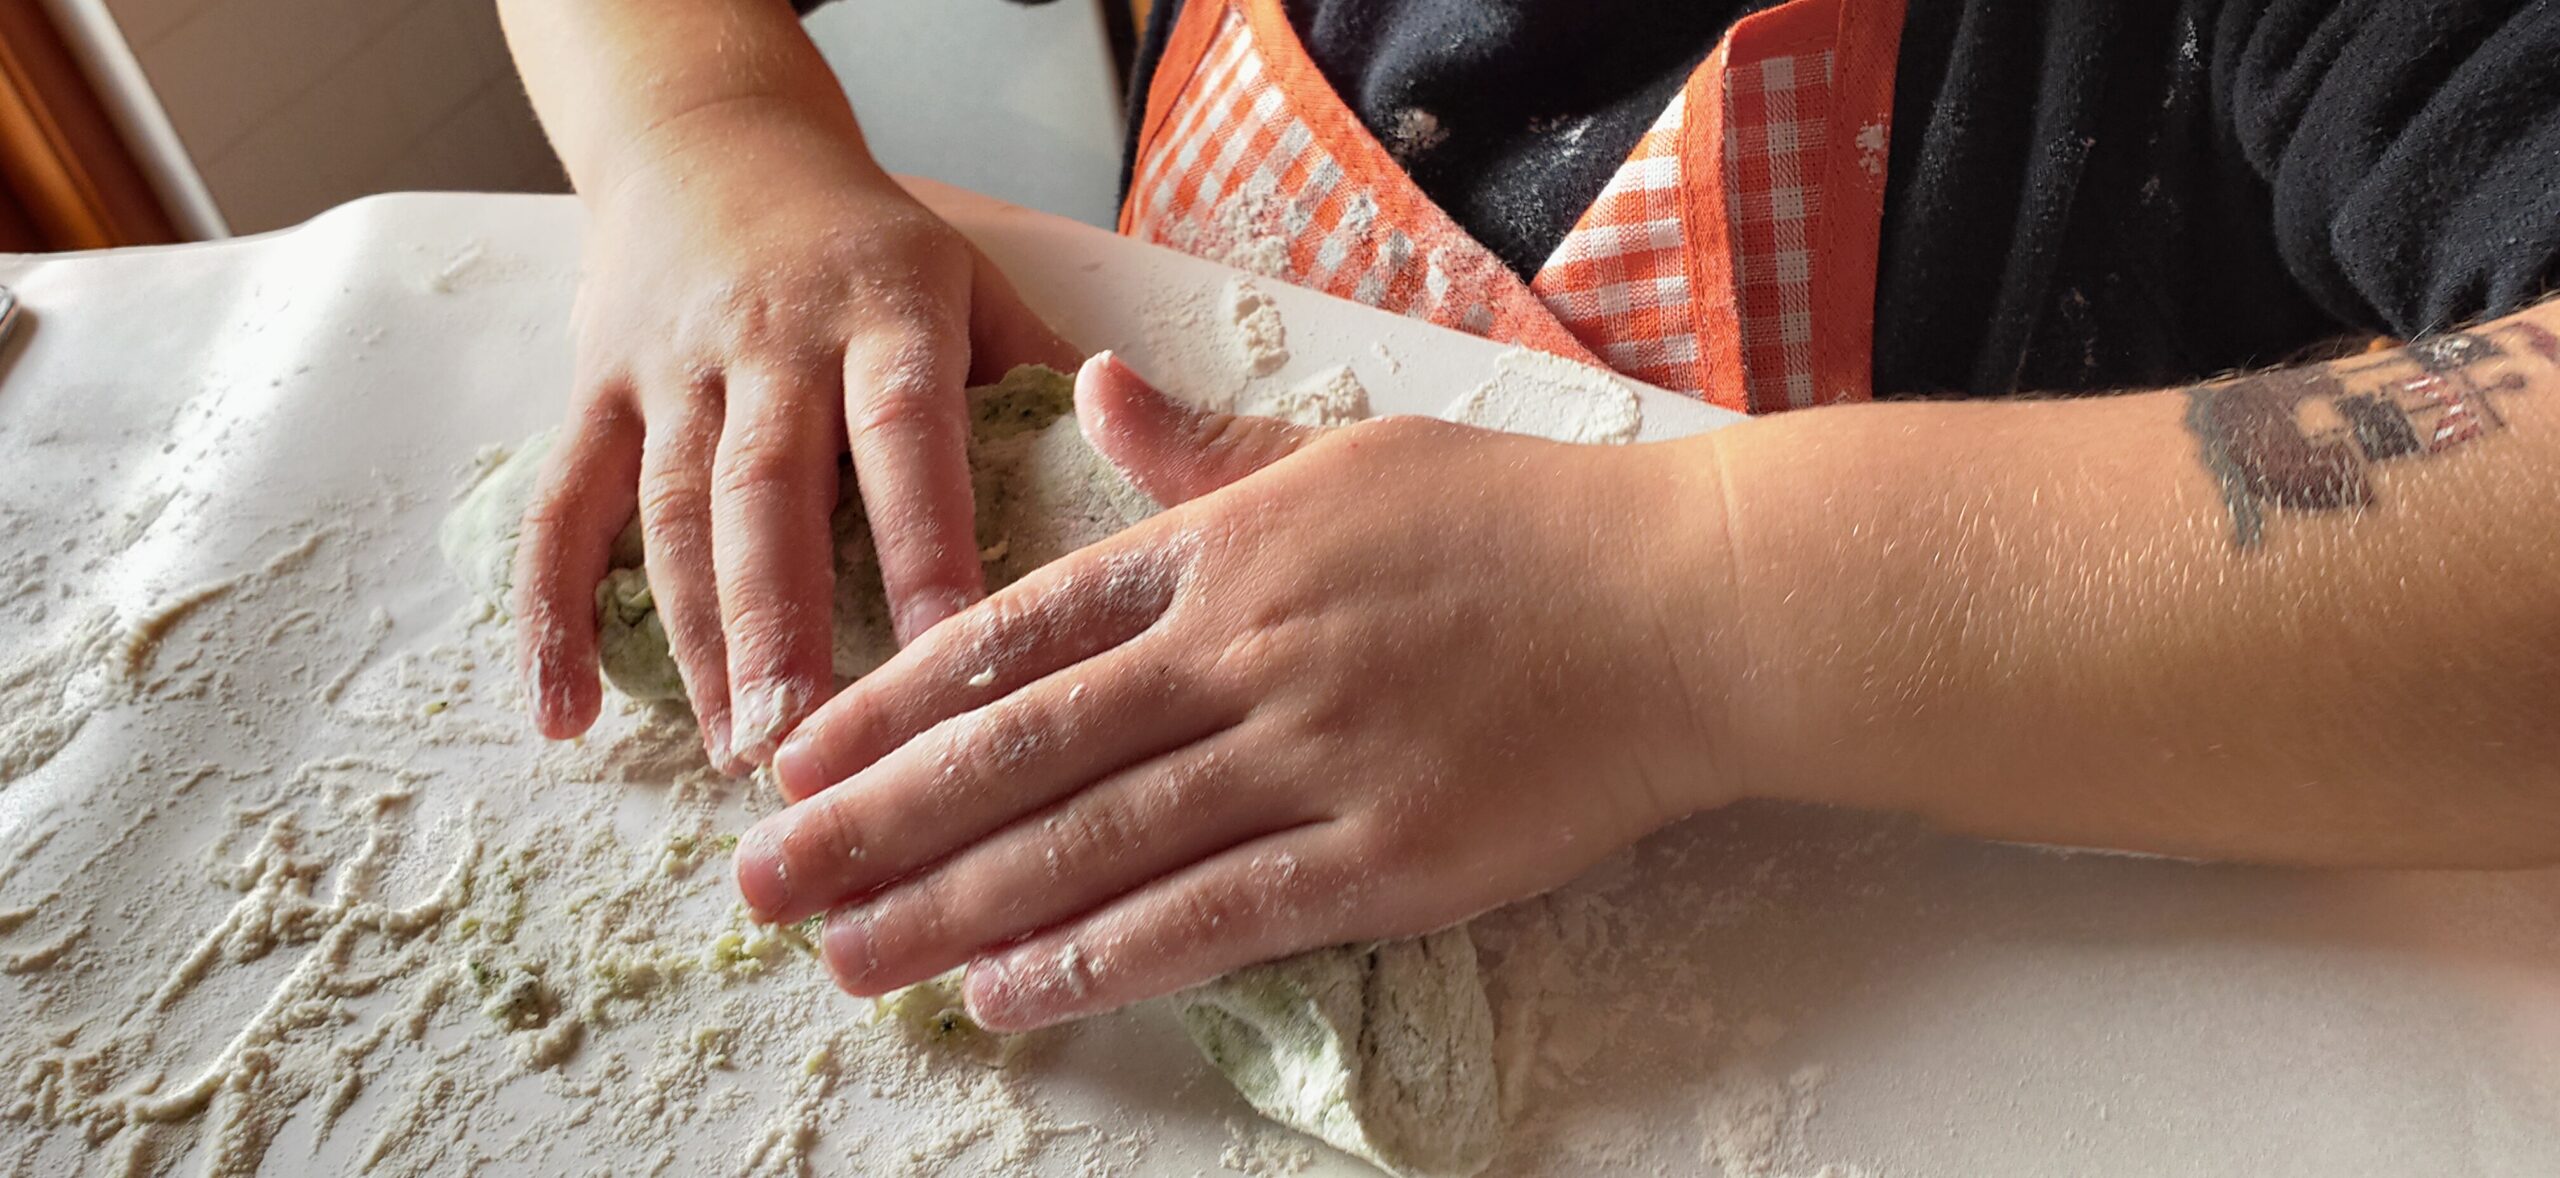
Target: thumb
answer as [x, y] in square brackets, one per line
[1170, 450]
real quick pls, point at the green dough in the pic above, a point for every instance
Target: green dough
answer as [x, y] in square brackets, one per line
[1383, 1051]
[631, 640]
[479, 537]
[1041, 491]
[932, 1012]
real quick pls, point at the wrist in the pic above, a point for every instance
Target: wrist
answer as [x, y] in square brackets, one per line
[1685, 628]
[1782, 731]
[756, 134]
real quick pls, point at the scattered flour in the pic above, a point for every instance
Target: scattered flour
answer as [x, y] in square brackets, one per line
[1754, 1124]
[1415, 133]
[48, 695]
[1261, 338]
[1549, 397]
[1331, 397]
[354, 852]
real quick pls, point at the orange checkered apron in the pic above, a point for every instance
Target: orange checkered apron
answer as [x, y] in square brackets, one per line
[1732, 257]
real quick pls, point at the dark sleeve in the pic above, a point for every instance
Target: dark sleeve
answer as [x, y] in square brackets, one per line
[2412, 150]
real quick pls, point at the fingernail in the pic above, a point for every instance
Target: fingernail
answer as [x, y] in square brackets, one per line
[715, 743]
[764, 878]
[796, 767]
[1028, 991]
[927, 610]
[549, 695]
[991, 994]
[762, 713]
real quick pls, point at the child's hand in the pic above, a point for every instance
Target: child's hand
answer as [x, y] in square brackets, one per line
[1408, 672]
[747, 309]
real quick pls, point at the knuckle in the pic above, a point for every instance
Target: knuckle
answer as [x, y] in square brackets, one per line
[833, 833]
[1000, 741]
[600, 386]
[758, 467]
[1196, 915]
[547, 514]
[900, 407]
[1085, 837]
[603, 411]
[545, 531]
[686, 426]
[669, 503]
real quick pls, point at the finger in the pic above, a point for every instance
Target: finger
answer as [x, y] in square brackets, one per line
[1275, 896]
[1139, 825]
[1057, 617]
[675, 523]
[908, 423]
[584, 497]
[1004, 332]
[969, 777]
[1172, 451]
[774, 479]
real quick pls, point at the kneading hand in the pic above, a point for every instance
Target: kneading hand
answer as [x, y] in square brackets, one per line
[745, 316]
[1360, 683]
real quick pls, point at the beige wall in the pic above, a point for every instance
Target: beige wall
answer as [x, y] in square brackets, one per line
[291, 106]
[288, 107]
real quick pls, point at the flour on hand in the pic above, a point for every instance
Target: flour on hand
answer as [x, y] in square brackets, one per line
[1383, 1051]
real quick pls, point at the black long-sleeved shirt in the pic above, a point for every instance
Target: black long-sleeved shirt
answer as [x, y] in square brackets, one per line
[2083, 195]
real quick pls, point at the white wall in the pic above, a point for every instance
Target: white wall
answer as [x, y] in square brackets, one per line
[1018, 103]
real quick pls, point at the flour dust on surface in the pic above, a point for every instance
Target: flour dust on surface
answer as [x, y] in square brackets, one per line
[288, 885]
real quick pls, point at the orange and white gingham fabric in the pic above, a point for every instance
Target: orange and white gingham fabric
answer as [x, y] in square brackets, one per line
[1731, 257]
[1775, 134]
[1620, 279]
[1244, 165]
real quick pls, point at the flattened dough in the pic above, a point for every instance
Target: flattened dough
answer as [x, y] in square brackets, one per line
[1384, 1051]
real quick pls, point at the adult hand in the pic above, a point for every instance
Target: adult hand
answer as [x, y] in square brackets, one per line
[752, 305]
[1361, 683]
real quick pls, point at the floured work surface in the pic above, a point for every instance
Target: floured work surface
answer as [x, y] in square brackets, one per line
[287, 885]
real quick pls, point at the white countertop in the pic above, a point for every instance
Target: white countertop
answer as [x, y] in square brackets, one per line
[226, 463]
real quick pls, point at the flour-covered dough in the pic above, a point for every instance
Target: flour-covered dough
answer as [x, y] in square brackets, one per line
[1042, 493]
[1384, 1051]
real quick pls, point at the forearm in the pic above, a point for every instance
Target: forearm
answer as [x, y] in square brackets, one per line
[623, 83]
[2218, 622]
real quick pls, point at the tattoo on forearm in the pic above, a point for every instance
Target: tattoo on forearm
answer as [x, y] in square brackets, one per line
[2306, 440]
